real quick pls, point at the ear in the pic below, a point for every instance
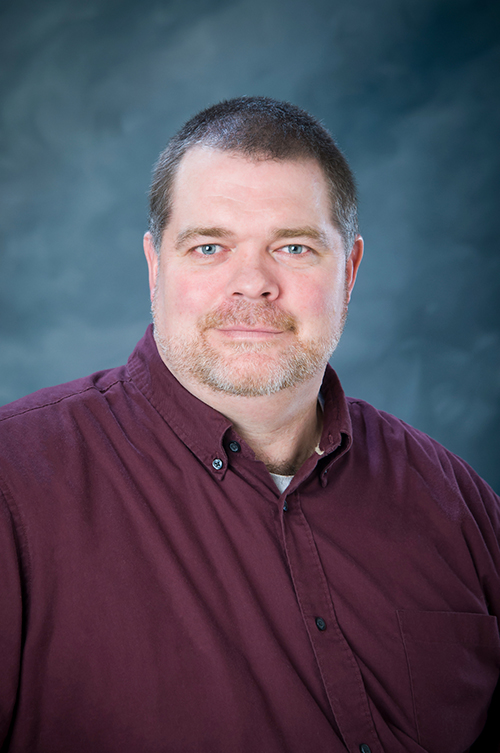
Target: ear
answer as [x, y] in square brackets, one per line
[153, 262]
[352, 264]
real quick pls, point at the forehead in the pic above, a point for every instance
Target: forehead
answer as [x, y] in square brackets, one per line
[209, 177]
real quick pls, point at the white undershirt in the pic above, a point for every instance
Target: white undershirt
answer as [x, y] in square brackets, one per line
[281, 481]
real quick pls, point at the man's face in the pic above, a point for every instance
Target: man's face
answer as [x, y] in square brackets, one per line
[251, 286]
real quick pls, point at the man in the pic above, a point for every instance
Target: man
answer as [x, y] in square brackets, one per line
[211, 548]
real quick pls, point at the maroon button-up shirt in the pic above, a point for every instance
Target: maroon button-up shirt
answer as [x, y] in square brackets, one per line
[159, 594]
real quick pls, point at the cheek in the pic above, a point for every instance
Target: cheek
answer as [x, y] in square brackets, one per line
[185, 295]
[321, 302]
[322, 308]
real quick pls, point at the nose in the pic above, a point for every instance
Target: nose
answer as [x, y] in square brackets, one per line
[253, 277]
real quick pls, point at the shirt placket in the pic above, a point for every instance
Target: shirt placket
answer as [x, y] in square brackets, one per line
[337, 664]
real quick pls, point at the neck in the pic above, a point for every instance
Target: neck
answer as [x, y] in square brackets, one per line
[282, 429]
[285, 446]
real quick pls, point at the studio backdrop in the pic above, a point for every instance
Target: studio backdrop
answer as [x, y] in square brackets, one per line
[90, 93]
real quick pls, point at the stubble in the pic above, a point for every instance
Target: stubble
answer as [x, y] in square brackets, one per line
[247, 368]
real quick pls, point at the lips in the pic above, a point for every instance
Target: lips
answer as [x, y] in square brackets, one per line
[262, 330]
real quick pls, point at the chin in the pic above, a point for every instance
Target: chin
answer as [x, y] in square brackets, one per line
[257, 374]
[246, 369]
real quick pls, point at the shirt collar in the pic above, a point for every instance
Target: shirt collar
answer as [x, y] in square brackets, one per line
[337, 426]
[202, 428]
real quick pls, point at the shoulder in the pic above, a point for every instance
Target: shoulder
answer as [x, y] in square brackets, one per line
[382, 432]
[411, 459]
[52, 439]
[52, 420]
[46, 401]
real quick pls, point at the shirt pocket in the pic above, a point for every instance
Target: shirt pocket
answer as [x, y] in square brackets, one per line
[454, 663]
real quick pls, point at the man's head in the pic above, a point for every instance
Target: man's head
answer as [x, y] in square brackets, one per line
[258, 128]
[251, 276]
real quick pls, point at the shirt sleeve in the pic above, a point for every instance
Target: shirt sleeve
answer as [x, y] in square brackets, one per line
[10, 618]
[485, 504]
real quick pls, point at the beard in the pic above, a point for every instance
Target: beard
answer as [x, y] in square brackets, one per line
[246, 368]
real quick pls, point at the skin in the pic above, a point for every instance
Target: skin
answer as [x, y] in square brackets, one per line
[250, 289]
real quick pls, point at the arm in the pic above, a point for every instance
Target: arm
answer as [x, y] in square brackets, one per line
[10, 619]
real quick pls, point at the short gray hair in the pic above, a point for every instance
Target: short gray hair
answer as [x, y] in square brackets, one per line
[259, 128]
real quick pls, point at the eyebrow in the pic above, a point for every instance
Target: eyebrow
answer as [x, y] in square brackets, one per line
[304, 231]
[201, 232]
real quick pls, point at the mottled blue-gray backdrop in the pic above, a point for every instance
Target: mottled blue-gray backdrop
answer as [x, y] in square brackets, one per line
[91, 91]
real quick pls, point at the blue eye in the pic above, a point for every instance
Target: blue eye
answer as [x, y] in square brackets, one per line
[296, 249]
[208, 249]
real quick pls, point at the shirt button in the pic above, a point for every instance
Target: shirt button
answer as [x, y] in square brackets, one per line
[364, 748]
[217, 464]
[321, 625]
[234, 447]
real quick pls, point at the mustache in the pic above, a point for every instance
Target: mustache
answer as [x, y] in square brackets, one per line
[262, 313]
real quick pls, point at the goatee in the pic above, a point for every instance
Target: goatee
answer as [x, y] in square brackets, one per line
[247, 368]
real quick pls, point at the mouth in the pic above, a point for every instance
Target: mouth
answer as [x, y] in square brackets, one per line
[241, 331]
[244, 320]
